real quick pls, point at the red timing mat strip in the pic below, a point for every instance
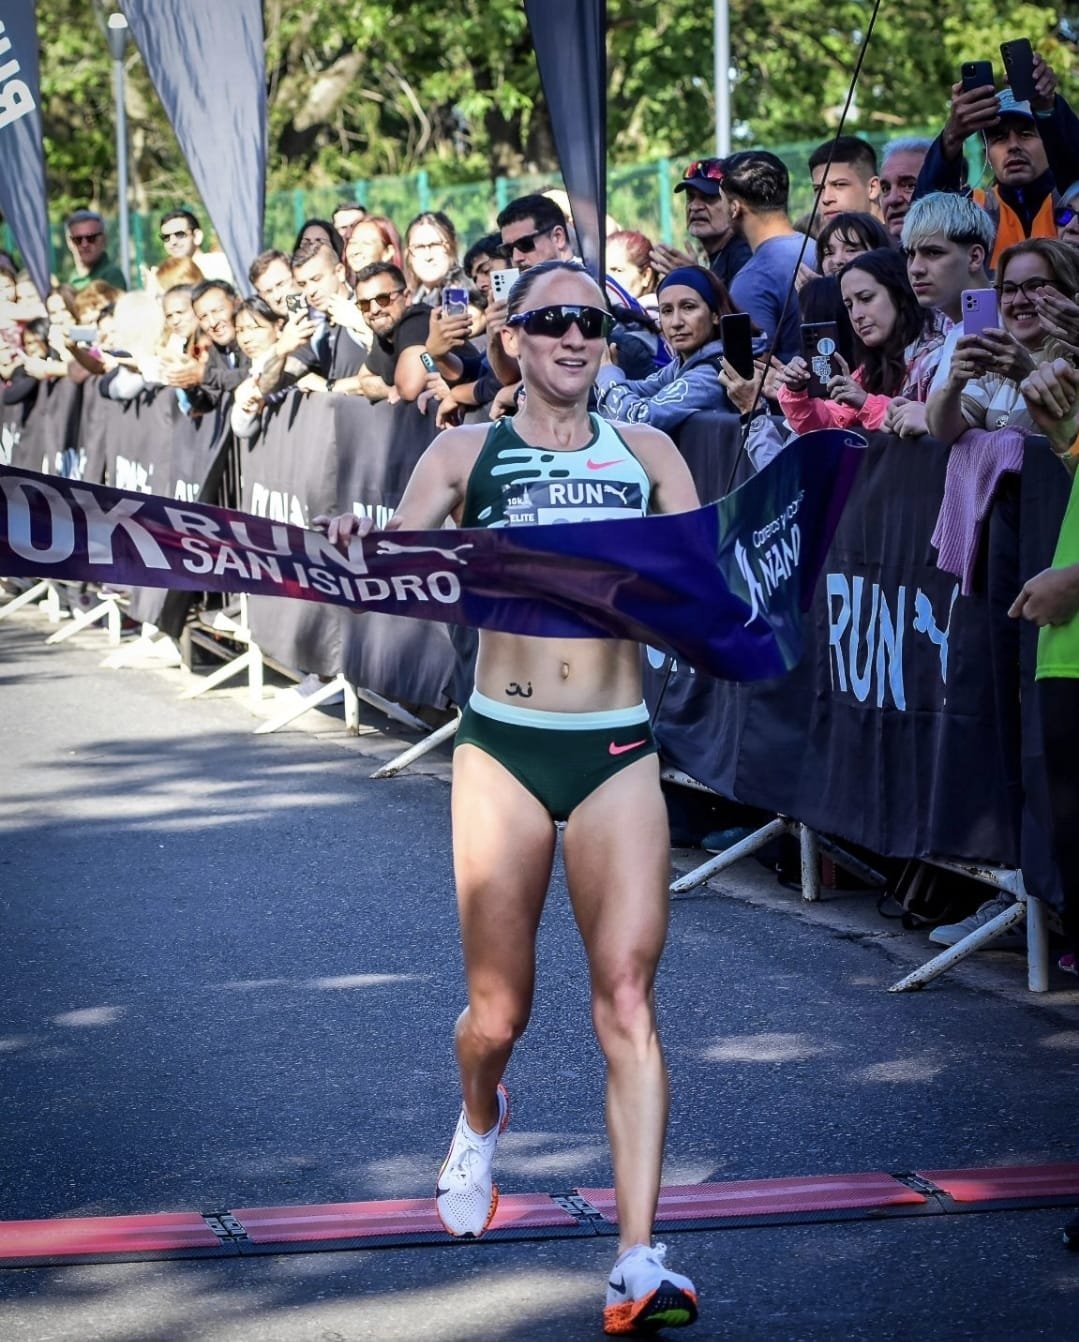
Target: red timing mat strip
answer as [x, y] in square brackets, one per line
[415, 1216]
[531, 1215]
[1020, 1182]
[78, 1236]
[769, 1197]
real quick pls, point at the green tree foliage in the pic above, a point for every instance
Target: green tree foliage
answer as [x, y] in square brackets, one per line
[363, 88]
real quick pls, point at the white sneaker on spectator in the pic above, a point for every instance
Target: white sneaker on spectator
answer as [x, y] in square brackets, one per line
[1012, 938]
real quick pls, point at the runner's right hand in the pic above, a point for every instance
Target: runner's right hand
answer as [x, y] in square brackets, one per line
[341, 528]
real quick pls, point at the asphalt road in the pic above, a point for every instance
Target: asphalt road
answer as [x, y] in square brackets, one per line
[230, 970]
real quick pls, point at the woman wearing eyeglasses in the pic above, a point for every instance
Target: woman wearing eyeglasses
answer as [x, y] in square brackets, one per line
[1037, 284]
[557, 730]
[431, 257]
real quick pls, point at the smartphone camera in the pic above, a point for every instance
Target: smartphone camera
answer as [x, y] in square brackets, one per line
[502, 281]
[295, 303]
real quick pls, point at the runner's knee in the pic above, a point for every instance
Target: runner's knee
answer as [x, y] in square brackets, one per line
[623, 1013]
[496, 1024]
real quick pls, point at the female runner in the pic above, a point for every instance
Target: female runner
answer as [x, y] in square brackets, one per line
[558, 730]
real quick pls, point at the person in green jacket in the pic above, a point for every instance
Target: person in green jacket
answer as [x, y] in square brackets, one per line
[85, 231]
[1051, 601]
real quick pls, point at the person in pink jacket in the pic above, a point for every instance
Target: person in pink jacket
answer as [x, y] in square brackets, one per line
[895, 348]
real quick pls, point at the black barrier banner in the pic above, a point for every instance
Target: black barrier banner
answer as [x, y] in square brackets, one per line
[151, 447]
[49, 441]
[889, 733]
[721, 587]
[23, 199]
[206, 60]
[409, 660]
[570, 38]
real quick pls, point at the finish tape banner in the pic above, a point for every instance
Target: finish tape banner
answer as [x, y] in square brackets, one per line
[723, 587]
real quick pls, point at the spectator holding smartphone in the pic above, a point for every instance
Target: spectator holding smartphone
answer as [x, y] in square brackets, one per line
[1031, 146]
[431, 261]
[981, 389]
[892, 335]
[692, 302]
[403, 332]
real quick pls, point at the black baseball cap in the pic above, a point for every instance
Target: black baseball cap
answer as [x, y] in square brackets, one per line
[704, 175]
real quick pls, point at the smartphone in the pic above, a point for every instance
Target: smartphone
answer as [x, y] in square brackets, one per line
[428, 362]
[454, 301]
[820, 346]
[502, 281]
[737, 332]
[979, 310]
[82, 335]
[1019, 68]
[296, 303]
[976, 75]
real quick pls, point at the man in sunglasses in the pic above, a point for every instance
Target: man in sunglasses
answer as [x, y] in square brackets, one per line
[707, 220]
[533, 229]
[1067, 217]
[86, 242]
[403, 333]
[182, 239]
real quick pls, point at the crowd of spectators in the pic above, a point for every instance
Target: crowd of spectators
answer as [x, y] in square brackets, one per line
[881, 266]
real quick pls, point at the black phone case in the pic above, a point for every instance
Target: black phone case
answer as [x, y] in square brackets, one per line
[976, 74]
[1019, 67]
[737, 338]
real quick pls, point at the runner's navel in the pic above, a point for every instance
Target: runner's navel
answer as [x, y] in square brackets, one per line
[564, 673]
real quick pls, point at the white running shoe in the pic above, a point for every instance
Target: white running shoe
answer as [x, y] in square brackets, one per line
[465, 1197]
[644, 1295]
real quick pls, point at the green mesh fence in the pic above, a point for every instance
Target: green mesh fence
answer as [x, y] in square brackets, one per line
[640, 196]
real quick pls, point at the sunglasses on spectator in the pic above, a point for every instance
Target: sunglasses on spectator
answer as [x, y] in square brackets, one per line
[710, 168]
[180, 233]
[593, 323]
[1064, 216]
[524, 245]
[1032, 286]
[382, 300]
[78, 238]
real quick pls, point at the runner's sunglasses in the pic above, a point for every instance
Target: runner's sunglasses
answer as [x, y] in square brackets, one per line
[1064, 216]
[593, 323]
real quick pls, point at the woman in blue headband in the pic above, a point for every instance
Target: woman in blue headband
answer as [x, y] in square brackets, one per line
[691, 302]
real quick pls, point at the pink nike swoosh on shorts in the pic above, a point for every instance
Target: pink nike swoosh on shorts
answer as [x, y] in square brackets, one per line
[602, 465]
[621, 750]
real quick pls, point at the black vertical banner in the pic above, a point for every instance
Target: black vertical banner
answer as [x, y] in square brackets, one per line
[23, 198]
[206, 60]
[570, 37]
